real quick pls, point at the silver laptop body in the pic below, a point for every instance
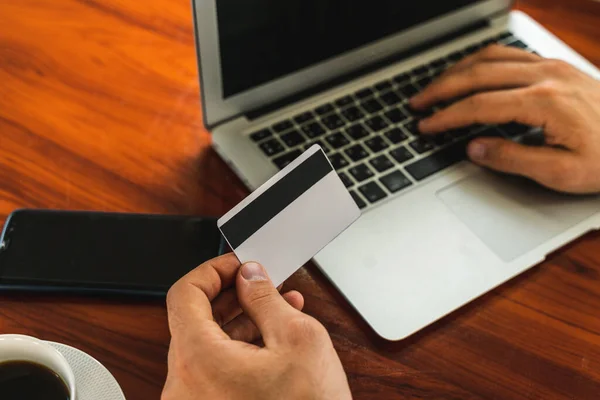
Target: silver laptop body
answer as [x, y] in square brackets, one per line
[434, 235]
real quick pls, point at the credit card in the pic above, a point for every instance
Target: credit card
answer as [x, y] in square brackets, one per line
[289, 219]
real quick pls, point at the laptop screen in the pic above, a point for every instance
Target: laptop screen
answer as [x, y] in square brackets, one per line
[262, 40]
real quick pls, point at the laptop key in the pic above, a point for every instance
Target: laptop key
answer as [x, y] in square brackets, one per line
[283, 126]
[346, 179]
[461, 132]
[376, 144]
[514, 129]
[396, 136]
[437, 73]
[372, 192]
[381, 163]
[422, 145]
[357, 131]
[436, 162]
[376, 124]
[518, 44]
[359, 202]
[490, 131]
[439, 63]
[344, 101]
[260, 135]
[313, 130]
[401, 154]
[338, 161]
[333, 121]
[395, 115]
[395, 181]
[320, 143]
[356, 152]
[420, 70]
[271, 147]
[371, 106]
[424, 82]
[384, 85]
[402, 79]
[443, 139]
[472, 49]
[304, 117]
[361, 172]
[364, 93]
[284, 160]
[337, 140]
[412, 126]
[390, 98]
[420, 114]
[293, 138]
[456, 56]
[352, 114]
[324, 109]
[408, 91]
[504, 35]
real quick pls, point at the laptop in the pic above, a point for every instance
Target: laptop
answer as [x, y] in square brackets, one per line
[436, 231]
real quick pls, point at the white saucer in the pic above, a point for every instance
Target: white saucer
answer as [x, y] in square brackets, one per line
[94, 381]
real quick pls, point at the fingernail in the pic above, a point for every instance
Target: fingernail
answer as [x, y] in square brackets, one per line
[423, 125]
[254, 272]
[477, 151]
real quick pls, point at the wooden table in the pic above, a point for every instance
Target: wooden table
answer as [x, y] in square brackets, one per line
[99, 109]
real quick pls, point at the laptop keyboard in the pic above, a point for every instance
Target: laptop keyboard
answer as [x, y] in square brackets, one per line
[371, 136]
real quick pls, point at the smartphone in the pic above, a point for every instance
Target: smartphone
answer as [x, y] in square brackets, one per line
[102, 253]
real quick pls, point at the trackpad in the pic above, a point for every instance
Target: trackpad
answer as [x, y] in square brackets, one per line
[512, 215]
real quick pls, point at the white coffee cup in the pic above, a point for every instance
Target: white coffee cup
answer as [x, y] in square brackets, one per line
[27, 348]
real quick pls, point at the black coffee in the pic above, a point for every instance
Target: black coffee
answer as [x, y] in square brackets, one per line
[20, 380]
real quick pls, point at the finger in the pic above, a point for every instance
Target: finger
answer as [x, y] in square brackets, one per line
[549, 166]
[477, 78]
[244, 330]
[495, 53]
[188, 301]
[263, 304]
[226, 307]
[498, 107]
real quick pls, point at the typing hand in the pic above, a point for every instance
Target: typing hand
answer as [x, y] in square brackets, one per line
[211, 357]
[504, 85]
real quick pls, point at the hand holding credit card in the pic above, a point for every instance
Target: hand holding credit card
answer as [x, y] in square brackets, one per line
[290, 218]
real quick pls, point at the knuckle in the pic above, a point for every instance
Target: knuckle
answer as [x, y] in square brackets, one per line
[558, 67]
[566, 174]
[548, 91]
[477, 101]
[261, 295]
[477, 73]
[305, 330]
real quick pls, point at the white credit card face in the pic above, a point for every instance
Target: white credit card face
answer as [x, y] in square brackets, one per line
[290, 218]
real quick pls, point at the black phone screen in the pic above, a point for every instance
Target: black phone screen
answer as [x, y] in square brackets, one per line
[107, 251]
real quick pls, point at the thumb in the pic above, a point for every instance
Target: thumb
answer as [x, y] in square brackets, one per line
[548, 166]
[263, 303]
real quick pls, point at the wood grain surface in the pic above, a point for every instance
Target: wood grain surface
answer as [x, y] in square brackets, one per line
[99, 109]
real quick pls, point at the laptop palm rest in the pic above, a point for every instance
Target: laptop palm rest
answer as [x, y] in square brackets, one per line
[513, 215]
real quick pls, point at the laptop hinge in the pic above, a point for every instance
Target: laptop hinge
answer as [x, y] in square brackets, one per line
[264, 110]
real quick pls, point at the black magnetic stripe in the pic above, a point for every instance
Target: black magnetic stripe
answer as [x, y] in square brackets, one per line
[256, 214]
